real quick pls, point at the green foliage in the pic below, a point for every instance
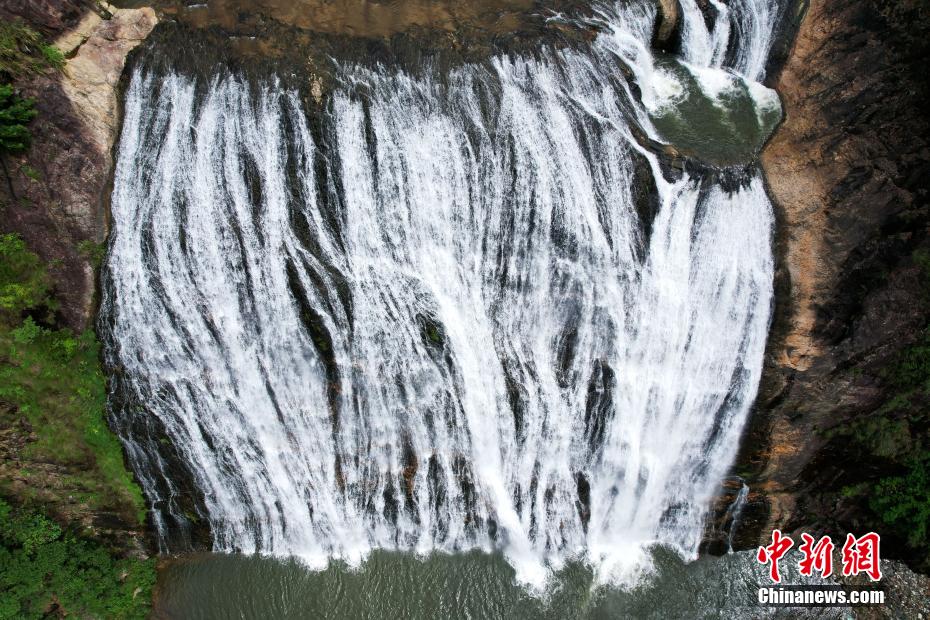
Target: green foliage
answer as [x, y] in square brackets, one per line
[30, 172]
[23, 51]
[895, 437]
[884, 436]
[27, 332]
[52, 56]
[911, 372]
[903, 502]
[15, 114]
[93, 252]
[431, 330]
[53, 378]
[47, 572]
[24, 282]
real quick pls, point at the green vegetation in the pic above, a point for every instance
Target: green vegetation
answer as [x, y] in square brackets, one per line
[59, 455]
[895, 437]
[24, 283]
[15, 114]
[903, 502]
[24, 51]
[52, 378]
[93, 252]
[45, 572]
[51, 381]
[30, 172]
[431, 330]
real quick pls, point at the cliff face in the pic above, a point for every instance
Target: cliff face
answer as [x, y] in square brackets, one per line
[55, 451]
[839, 437]
[59, 207]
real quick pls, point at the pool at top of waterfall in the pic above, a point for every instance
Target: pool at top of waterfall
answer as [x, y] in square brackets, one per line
[471, 307]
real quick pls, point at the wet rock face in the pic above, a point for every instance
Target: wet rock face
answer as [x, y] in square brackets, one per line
[361, 18]
[273, 28]
[667, 25]
[61, 209]
[849, 172]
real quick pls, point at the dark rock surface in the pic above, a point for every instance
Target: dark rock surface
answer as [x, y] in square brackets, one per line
[50, 17]
[849, 173]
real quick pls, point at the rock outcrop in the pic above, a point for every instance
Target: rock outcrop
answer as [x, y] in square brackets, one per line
[849, 172]
[60, 183]
[667, 23]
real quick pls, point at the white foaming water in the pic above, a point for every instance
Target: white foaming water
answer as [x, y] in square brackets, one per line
[704, 49]
[754, 23]
[701, 45]
[461, 320]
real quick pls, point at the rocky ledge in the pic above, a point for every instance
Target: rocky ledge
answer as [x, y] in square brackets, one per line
[60, 183]
[839, 441]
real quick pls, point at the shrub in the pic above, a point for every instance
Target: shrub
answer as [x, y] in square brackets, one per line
[15, 114]
[903, 502]
[45, 571]
[24, 282]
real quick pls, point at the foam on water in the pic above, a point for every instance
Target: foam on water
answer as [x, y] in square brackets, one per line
[475, 315]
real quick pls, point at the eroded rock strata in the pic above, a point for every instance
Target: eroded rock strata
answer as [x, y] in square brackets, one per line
[839, 439]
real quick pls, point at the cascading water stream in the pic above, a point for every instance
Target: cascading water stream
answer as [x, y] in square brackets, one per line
[461, 313]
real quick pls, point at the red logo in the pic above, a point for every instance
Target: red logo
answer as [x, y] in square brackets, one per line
[817, 557]
[774, 552]
[860, 555]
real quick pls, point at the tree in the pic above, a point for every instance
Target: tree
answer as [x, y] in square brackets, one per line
[15, 114]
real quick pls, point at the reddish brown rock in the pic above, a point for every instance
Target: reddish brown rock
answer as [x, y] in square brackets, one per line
[51, 17]
[849, 172]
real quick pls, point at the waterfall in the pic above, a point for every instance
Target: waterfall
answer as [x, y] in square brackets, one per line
[435, 314]
[735, 512]
[754, 25]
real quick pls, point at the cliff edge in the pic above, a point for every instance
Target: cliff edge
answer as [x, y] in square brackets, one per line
[839, 442]
[59, 206]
